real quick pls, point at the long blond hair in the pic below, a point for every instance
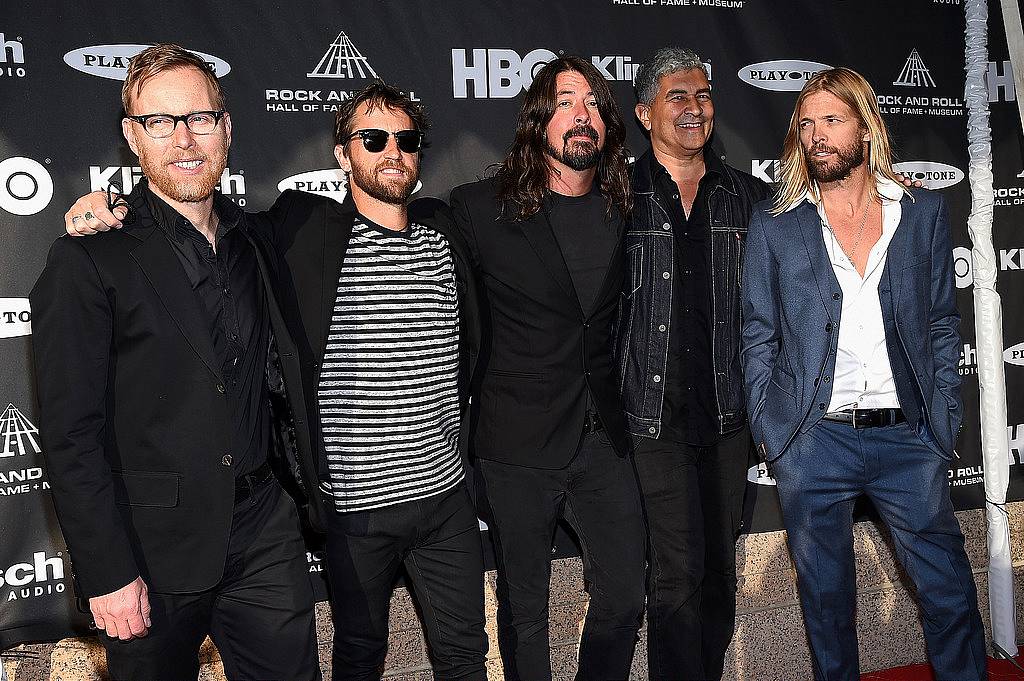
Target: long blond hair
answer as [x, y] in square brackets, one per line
[853, 90]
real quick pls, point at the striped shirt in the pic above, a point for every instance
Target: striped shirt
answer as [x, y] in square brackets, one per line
[388, 391]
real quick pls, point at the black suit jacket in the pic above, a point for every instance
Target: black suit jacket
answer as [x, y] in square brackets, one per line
[133, 413]
[539, 353]
[303, 239]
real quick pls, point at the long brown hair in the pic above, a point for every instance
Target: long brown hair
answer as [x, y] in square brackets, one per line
[523, 175]
[853, 90]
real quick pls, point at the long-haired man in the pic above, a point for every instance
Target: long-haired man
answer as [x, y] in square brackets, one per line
[547, 433]
[850, 349]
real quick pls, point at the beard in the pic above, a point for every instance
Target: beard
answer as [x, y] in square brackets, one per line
[846, 160]
[578, 155]
[396, 191]
[187, 189]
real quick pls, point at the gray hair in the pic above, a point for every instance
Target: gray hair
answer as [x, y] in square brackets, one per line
[663, 62]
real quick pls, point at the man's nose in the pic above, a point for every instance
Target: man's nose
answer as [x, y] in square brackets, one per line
[183, 137]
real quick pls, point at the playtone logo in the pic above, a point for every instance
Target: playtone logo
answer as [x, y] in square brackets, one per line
[759, 475]
[500, 73]
[330, 182]
[1014, 355]
[231, 183]
[780, 75]
[932, 174]
[111, 61]
[15, 317]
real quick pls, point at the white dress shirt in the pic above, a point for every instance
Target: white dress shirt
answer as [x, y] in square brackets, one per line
[863, 375]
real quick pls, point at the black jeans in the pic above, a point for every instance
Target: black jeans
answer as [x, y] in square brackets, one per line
[437, 539]
[693, 500]
[597, 494]
[260, 616]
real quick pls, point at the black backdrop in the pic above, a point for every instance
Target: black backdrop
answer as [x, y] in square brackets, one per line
[286, 65]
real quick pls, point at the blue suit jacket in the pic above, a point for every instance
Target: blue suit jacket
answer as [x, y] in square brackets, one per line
[792, 305]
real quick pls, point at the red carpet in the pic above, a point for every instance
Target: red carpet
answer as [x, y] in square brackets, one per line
[999, 670]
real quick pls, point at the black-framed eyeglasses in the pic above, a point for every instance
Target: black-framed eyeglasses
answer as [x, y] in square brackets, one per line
[374, 139]
[162, 125]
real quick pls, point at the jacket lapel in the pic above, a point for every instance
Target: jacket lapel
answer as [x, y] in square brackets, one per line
[610, 281]
[160, 265]
[892, 276]
[337, 230]
[824, 277]
[537, 230]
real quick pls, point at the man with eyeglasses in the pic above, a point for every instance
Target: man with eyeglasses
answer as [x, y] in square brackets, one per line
[375, 319]
[150, 351]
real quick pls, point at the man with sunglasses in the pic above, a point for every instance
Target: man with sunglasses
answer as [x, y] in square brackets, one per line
[375, 320]
[150, 351]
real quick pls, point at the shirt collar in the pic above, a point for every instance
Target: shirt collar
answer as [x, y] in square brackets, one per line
[177, 226]
[887, 189]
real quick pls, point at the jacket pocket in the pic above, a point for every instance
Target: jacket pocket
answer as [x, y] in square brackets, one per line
[137, 488]
[785, 381]
[635, 262]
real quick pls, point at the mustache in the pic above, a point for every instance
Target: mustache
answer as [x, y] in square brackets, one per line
[584, 130]
[821, 147]
[393, 165]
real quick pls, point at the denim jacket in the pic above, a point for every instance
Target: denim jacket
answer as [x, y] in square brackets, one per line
[646, 309]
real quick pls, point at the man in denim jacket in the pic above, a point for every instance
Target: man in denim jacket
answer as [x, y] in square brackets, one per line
[678, 350]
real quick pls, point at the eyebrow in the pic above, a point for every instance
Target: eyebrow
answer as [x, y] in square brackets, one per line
[683, 91]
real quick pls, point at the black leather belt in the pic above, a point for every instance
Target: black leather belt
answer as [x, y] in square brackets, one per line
[250, 483]
[867, 418]
[591, 423]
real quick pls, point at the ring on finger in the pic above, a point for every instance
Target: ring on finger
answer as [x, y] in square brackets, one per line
[89, 215]
[76, 219]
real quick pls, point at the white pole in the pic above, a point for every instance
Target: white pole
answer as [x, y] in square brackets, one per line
[988, 322]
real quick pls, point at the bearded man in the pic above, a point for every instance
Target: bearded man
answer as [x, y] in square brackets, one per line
[150, 351]
[547, 430]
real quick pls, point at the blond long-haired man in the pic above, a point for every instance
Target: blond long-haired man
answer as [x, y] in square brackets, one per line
[850, 348]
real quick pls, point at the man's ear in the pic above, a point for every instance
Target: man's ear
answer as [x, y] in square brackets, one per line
[128, 130]
[643, 114]
[343, 162]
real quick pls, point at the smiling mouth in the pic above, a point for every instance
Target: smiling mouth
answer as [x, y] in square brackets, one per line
[187, 165]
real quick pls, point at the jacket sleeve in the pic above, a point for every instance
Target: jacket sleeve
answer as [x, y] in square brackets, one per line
[944, 320]
[72, 331]
[462, 223]
[761, 324]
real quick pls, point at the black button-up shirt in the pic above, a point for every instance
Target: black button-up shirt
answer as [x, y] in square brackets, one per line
[689, 413]
[230, 294]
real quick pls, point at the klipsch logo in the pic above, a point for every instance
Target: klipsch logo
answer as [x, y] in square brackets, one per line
[500, 73]
[35, 578]
[781, 75]
[126, 177]
[15, 317]
[914, 73]
[25, 186]
[932, 174]
[111, 61]
[17, 434]
[12, 57]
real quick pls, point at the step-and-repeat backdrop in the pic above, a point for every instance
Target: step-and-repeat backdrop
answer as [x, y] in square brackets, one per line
[287, 66]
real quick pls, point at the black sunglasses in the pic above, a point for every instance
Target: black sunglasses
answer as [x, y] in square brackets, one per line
[374, 140]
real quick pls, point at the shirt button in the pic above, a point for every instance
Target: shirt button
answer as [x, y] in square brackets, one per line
[675, 196]
[827, 379]
[836, 296]
[665, 275]
[652, 430]
[220, 388]
[661, 327]
[666, 226]
[657, 378]
[828, 327]
[226, 460]
[821, 405]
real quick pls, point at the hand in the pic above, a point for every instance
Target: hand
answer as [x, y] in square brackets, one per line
[123, 614]
[90, 215]
[907, 182]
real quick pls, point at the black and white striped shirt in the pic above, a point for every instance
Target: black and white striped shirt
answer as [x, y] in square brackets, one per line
[388, 391]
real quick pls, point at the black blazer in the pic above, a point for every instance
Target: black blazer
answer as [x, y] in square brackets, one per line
[303, 239]
[133, 414]
[539, 352]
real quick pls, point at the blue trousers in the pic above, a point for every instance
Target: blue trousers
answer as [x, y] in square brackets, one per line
[819, 478]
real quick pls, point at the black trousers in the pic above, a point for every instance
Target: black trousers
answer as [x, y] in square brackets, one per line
[437, 539]
[693, 500]
[597, 494]
[260, 615]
